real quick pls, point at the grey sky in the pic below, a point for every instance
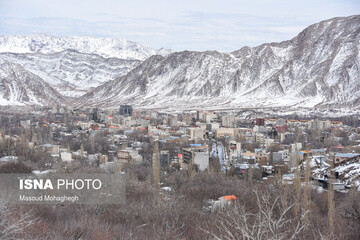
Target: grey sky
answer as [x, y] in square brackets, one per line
[224, 25]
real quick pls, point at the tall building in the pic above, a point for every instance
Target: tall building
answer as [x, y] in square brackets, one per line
[229, 121]
[259, 122]
[164, 158]
[196, 133]
[95, 114]
[196, 155]
[126, 110]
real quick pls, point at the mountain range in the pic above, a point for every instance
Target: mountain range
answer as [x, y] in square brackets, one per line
[317, 68]
[105, 47]
[70, 72]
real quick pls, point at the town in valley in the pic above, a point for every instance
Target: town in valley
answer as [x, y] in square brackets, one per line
[264, 149]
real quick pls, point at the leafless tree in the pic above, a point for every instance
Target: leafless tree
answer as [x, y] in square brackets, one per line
[156, 167]
[270, 220]
[14, 222]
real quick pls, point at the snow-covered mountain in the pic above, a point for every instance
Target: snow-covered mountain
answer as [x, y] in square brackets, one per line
[70, 72]
[74, 65]
[319, 67]
[21, 87]
[105, 47]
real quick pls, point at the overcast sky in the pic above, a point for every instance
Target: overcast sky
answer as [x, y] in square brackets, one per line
[223, 25]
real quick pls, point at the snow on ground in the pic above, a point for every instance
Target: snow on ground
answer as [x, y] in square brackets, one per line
[9, 159]
[38, 172]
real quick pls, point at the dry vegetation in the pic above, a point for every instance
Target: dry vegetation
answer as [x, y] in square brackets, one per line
[260, 212]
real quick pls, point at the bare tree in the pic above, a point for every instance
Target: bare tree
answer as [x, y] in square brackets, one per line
[349, 210]
[269, 221]
[331, 204]
[92, 143]
[307, 189]
[297, 188]
[156, 166]
[14, 223]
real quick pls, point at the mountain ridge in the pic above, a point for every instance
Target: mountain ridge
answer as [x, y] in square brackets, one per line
[21, 87]
[105, 47]
[320, 66]
[71, 72]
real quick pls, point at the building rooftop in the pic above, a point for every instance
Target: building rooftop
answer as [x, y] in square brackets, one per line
[346, 155]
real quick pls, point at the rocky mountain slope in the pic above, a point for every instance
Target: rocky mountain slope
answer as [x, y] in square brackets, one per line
[319, 67]
[21, 87]
[70, 72]
[74, 65]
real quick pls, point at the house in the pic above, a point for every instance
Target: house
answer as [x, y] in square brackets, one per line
[269, 170]
[260, 138]
[221, 132]
[229, 121]
[126, 110]
[213, 126]
[341, 157]
[55, 149]
[128, 155]
[196, 133]
[261, 156]
[113, 129]
[259, 122]
[280, 156]
[320, 151]
[249, 154]
[338, 186]
[223, 202]
[259, 129]
[66, 156]
[234, 149]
